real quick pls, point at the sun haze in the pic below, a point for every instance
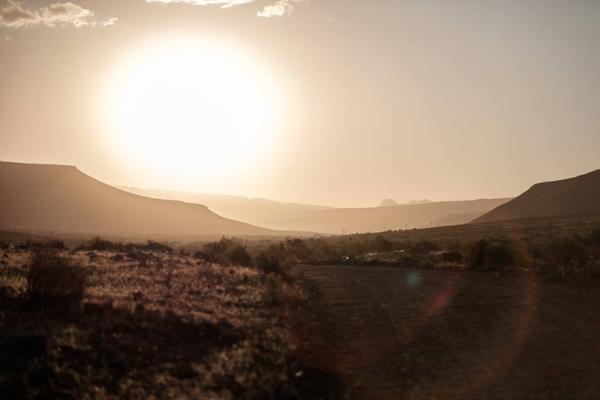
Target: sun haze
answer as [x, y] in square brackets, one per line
[341, 103]
[192, 107]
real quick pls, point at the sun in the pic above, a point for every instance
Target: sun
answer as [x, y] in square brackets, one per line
[193, 107]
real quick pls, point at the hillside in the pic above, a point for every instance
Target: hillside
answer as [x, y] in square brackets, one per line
[574, 197]
[251, 210]
[61, 198]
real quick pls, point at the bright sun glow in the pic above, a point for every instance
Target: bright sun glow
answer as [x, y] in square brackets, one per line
[193, 107]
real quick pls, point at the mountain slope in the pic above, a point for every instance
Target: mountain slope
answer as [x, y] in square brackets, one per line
[61, 198]
[251, 210]
[579, 196]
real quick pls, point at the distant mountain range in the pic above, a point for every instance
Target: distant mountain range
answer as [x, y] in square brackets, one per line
[574, 197]
[378, 219]
[389, 203]
[61, 198]
[251, 210]
[329, 220]
[393, 203]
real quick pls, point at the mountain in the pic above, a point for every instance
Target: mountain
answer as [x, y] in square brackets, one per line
[255, 211]
[377, 219]
[393, 203]
[574, 197]
[328, 220]
[422, 201]
[63, 199]
[389, 203]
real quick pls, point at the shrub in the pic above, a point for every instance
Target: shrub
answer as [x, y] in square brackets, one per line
[219, 252]
[278, 292]
[53, 278]
[239, 256]
[487, 253]
[157, 246]
[55, 244]
[225, 252]
[275, 259]
[567, 252]
[383, 244]
[451, 256]
[299, 248]
[139, 256]
[100, 244]
[593, 270]
[595, 236]
[43, 245]
[200, 255]
[424, 247]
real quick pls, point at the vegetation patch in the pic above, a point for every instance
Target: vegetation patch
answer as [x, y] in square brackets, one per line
[54, 279]
[174, 327]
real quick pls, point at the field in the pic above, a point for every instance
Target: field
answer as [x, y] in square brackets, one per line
[151, 324]
[472, 311]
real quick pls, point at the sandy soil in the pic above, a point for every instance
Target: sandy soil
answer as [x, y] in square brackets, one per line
[415, 334]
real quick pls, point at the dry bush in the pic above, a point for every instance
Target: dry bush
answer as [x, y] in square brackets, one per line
[151, 245]
[52, 278]
[278, 292]
[40, 245]
[423, 247]
[240, 256]
[226, 252]
[491, 253]
[100, 244]
[595, 236]
[450, 256]
[275, 259]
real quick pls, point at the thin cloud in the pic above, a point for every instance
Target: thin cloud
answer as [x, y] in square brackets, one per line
[221, 3]
[278, 9]
[15, 14]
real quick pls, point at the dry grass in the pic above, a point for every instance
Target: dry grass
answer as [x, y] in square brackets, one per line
[167, 327]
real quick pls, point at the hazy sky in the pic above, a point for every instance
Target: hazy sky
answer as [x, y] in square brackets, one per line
[375, 99]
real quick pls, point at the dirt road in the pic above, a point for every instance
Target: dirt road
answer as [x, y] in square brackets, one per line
[417, 334]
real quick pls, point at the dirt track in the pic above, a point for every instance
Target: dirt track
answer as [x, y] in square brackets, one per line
[416, 334]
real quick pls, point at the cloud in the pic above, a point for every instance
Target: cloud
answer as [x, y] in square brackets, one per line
[15, 14]
[222, 3]
[278, 9]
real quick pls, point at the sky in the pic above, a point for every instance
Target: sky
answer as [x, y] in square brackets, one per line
[337, 102]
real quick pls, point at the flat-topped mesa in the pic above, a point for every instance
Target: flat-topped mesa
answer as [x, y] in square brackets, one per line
[63, 199]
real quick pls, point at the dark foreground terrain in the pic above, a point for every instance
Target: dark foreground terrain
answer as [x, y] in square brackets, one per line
[421, 334]
[150, 324]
